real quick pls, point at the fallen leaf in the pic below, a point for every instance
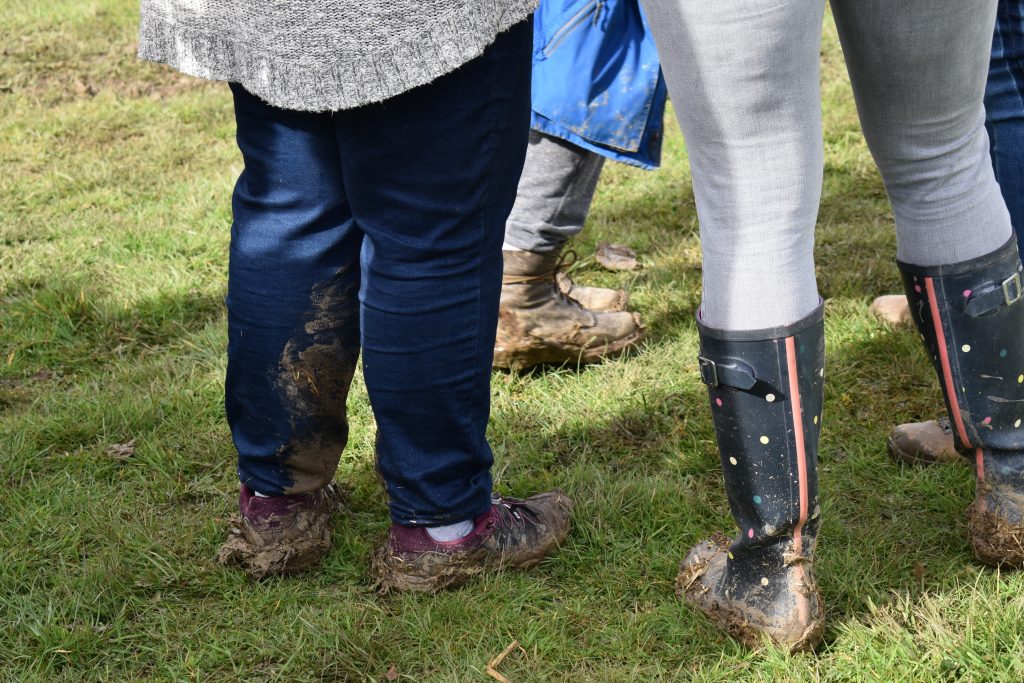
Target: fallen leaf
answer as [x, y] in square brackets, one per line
[121, 451]
[616, 257]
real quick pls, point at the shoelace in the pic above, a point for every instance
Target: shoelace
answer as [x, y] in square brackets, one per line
[566, 261]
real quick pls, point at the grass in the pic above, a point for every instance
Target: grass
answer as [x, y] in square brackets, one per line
[113, 252]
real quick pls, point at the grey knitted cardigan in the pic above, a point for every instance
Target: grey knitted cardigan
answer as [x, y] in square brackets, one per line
[323, 55]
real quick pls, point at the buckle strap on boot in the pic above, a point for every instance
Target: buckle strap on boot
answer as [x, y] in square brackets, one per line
[994, 295]
[735, 373]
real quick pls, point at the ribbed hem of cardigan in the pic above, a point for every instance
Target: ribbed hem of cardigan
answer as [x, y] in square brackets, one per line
[350, 80]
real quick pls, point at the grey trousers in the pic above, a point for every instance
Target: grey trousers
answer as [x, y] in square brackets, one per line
[744, 78]
[554, 195]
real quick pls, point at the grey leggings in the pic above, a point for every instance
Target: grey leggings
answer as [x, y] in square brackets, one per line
[554, 194]
[743, 75]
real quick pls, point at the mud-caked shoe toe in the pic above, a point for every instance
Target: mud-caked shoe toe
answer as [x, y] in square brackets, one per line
[594, 298]
[511, 534]
[783, 605]
[280, 535]
[892, 309]
[923, 443]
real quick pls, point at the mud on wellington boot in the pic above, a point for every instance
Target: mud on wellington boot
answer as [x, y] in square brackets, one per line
[971, 318]
[766, 395]
[281, 534]
[539, 325]
[511, 534]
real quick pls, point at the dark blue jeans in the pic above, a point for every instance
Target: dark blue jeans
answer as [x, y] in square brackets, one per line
[377, 228]
[1004, 104]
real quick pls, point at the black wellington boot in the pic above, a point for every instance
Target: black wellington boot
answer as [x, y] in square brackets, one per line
[971, 318]
[766, 395]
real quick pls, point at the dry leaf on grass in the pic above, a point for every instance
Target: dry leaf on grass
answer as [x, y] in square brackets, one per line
[616, 257]
[121, 451]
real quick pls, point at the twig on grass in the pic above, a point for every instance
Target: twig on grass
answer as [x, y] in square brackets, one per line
[492, 665]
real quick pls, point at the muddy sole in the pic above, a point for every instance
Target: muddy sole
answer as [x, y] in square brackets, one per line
[993, 540]
[562, 355]
[731, 617]
[434, 572]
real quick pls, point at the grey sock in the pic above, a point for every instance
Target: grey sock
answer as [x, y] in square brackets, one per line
[450, 532]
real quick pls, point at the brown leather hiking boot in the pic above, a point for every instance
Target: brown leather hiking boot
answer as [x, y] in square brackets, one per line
[924, 443]
[512, 534]
[539, 325]
[280, 535]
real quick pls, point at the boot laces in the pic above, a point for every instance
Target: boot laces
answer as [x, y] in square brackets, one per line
[566, 260]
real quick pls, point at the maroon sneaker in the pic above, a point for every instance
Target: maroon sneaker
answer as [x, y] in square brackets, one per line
[512, 534]
[282, 534]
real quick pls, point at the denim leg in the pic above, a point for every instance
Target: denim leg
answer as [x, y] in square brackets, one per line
[431, 177]
[293, 315]
[1004, 107]
[918, 70]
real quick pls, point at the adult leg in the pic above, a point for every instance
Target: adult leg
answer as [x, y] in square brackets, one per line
[919, 76]
[931, 441]
[1004, 107]
[431, 176]
[553, 196]
[293, 331]
[752, 122]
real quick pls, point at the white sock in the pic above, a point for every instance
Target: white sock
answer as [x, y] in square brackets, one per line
[260, 495]
[508, 247]
[450, 532]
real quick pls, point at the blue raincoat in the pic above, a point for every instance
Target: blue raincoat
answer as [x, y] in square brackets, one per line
[597, 80]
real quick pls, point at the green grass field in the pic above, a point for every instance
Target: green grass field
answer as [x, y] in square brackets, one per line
[114, 214]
